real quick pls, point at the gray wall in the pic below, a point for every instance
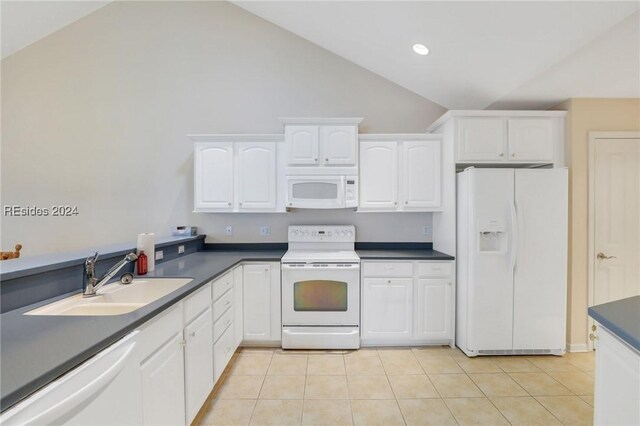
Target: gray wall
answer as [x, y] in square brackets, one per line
[96, 114]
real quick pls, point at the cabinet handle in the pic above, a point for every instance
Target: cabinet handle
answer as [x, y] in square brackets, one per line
[406, 202]
[502, 154]
[448, 283]
[593, 337]
[192, 334]
[315, 159]
[240, 203]
[513, 155]
[229, 204]
[228, 303]
[389, 281]
[182, 342]
[326, 159]
[395, 203]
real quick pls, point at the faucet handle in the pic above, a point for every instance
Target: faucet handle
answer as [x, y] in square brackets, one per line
[90, 262]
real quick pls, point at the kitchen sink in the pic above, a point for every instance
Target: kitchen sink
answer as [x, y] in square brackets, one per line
[114, 299]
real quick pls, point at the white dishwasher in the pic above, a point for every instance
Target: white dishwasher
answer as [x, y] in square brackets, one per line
[98, 392]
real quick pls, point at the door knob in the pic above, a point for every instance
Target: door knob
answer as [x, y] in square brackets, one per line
[602, 256]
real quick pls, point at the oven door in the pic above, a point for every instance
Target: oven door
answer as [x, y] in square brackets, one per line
[316, 192]
[320, 294]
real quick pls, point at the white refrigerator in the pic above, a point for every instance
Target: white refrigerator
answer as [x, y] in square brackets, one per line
[512, 261]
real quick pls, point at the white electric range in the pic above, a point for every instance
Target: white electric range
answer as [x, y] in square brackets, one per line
[321, 289]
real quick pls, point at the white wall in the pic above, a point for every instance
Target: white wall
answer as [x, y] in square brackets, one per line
[96, 114]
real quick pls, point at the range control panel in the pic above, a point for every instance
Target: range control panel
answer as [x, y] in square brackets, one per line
[322, 233]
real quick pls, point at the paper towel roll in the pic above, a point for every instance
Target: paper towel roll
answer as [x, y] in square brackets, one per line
[147, 243]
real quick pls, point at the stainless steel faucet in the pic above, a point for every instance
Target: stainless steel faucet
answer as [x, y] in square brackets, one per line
[91, 283]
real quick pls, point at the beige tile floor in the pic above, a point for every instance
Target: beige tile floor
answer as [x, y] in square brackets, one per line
[398, 386]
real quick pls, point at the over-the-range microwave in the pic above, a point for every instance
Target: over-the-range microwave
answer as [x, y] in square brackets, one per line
[322, 191]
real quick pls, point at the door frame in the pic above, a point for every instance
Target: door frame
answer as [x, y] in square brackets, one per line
[593, 138]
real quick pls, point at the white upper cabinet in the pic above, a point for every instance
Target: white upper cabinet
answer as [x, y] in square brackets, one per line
[379, 175]
[256, 164]
[213, 168]
[321, 142]
[531, 139]
[503, 137]
[302, 144]
[481, 139]
[401, 172]
[238, 173]
[338, 145]
[421, 181]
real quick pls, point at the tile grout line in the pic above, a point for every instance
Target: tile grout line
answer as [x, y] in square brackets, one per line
[261, 385]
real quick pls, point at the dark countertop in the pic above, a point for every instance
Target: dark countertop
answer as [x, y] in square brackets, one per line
[622, 318]
[402, 254]
[35, 350]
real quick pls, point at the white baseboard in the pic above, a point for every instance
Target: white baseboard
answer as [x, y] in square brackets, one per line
[577, 347]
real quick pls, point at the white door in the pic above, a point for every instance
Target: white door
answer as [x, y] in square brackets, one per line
[338, 145]
[257, 307]
[162, 377]
[421, 176]
[378, 175]
[237, 305]
[213, 172]
[433, 309]
[491, 211]
[481, 139]
[617, 219]
[540, 264]
[198, 362]
[302, 145]
[531, 139]
[256, 175]
[387, 308]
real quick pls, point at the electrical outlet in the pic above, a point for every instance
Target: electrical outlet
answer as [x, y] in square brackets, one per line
[265, 230]
[180, 249]
[229, 230]
[425, 230]
[159, 255]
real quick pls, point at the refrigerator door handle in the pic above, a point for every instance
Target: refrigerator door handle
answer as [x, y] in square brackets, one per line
[514, 236]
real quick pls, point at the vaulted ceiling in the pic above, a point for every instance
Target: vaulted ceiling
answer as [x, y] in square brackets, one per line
[508, 54]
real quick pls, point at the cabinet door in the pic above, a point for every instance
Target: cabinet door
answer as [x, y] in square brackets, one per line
[387, 308]
[162, 377]
[531, 139]
[379, 175]
[338, 145]
[433, 309]
[213, 176]
[421, 182]
[198, 363]
[256, 175]
[302, 145]
[481, 139]
[237, 306]
[256, 280]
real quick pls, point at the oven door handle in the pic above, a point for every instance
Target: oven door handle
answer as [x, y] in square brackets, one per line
[323, 267]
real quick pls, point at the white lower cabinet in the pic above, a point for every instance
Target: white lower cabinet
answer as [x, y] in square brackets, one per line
[262, 315]
[198, 363]
[238, 311]
[617, 382]
[433, 309]
[224, 342]
[407, 303]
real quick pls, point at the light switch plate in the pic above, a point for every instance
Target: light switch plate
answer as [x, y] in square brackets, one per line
[180, 249]
[159, 255]
[265, 230]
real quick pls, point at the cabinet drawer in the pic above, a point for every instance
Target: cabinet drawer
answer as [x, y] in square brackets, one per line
[387, 269]
[221, 305]
[221, 285]
[197, 303]
[223, 350]
[435, 269]
[222, 324]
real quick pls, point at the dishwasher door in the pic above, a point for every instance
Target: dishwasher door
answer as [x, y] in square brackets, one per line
[104, 390]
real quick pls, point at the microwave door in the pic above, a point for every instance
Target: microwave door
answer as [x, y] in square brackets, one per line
[314, 192]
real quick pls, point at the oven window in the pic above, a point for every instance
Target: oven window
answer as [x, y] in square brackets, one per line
[320, 296]
[315, 191]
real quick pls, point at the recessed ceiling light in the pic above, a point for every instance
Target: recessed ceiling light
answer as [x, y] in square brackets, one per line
[421, 49]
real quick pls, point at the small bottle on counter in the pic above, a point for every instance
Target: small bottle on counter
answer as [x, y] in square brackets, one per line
[141, 263]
